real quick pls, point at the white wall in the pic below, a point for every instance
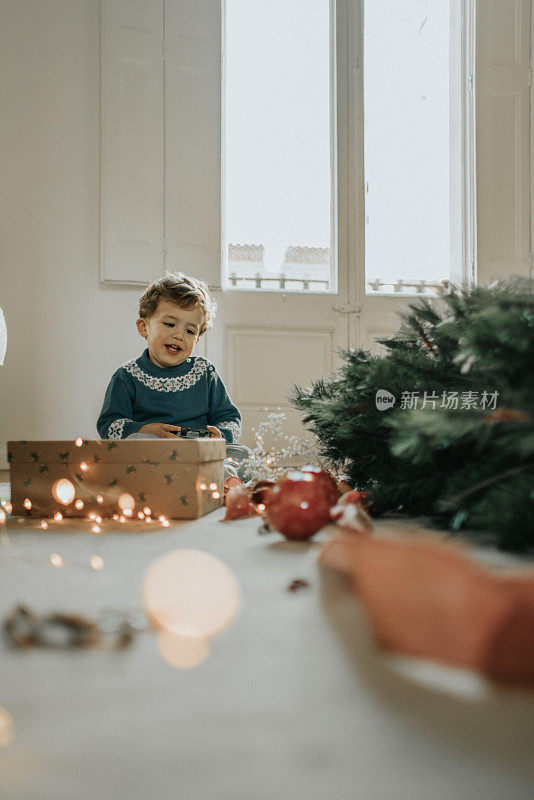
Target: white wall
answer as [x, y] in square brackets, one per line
[66, 333]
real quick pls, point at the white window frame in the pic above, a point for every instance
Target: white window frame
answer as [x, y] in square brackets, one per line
[346, 142]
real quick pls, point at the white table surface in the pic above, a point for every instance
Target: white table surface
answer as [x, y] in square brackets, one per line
[294, 701]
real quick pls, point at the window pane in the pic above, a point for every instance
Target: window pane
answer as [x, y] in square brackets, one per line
[277, 202]
[407, 143]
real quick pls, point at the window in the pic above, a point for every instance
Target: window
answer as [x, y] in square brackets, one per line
[412, 145]
[276, 226]
[278, 146]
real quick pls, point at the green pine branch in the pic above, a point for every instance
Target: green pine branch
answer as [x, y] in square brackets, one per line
[466, 468]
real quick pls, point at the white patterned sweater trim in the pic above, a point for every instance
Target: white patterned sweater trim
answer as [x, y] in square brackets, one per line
[116, 428]
[233, 427]
[176, 384]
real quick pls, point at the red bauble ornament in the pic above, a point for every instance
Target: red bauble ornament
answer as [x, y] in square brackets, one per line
[324, 479]
[229, 482]
[238, 503]
[260, 492]
[357, 497]
[299, 504]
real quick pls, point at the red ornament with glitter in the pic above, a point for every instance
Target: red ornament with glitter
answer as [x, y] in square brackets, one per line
[299, 504]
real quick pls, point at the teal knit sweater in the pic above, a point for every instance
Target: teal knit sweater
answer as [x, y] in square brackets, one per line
[191, 394]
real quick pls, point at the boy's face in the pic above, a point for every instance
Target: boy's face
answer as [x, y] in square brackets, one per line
[171, 333]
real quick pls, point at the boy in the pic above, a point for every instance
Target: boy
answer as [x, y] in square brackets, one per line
[167, 387]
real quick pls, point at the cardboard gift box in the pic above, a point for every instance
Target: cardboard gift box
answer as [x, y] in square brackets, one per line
[171, 477]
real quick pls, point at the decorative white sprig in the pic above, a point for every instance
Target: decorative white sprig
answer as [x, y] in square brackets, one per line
[271, 461]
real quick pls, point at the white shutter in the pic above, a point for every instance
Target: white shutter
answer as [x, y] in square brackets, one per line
[193, 137]
[502, 143]
[132, 156]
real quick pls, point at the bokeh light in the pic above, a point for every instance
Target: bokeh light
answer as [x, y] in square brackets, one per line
[126, 503]
[183, 652]
[7, 728]
[63, 491]
[191, 593]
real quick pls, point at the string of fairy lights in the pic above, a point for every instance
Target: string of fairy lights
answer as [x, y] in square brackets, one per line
[265, 462]
[64, 493]
[179, 651]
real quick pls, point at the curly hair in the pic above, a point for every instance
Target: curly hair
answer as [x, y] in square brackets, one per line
[183, 290]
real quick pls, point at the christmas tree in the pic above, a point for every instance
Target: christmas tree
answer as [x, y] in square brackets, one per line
[458, 443]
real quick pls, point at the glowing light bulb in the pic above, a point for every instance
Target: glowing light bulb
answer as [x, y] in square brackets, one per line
[97, 562]
[126, 503]
[213, 485]
[63, 491]
[58, 516]
[92, 515]
[8, 507]
[78, 442]
[56, 560]
[147, 511]
[115, 517]
[165, 523]
[84, 466]
[191, 593]
[98, 519]
[203, 487]
[44, 524]
[304, 504]
[95, 528]
[2, 516]
[27, 503]
[79, 504]
[215, 495]
[148, 519]
[128, 512]
[261, 506]
[140, 514]
[122, 519]
[99, 498]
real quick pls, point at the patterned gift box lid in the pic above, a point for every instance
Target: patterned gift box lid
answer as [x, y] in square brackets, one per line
[148, 451]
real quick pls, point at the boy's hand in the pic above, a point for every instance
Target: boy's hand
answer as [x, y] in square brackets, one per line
[161, 430]
[215, 432]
